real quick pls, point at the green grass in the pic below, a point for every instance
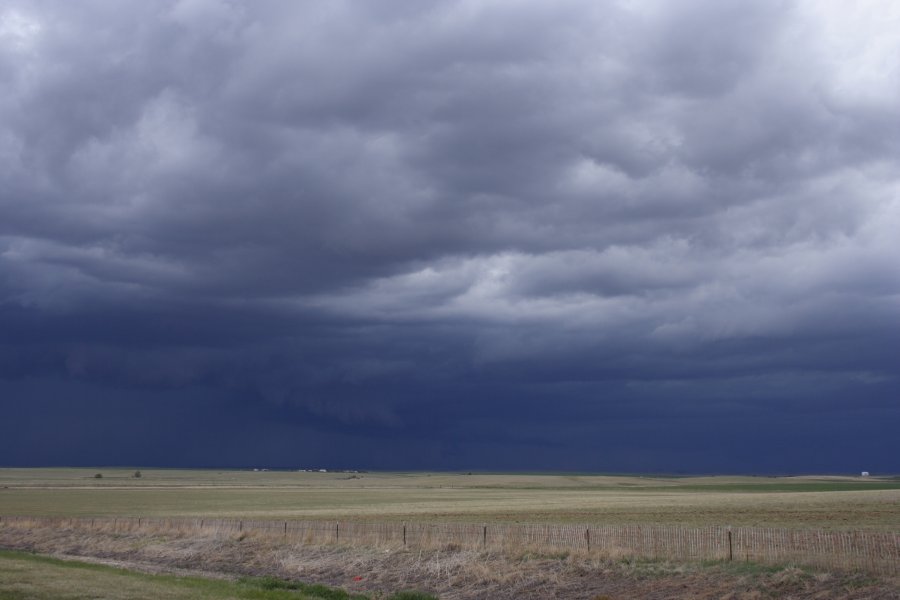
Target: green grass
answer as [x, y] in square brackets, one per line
[740, 567]
[31, 577]
[313, 590]
[321, 591]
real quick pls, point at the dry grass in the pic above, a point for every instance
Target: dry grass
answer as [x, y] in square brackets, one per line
[830, 503]
[453, 570]
[453, 574]
[874, 552]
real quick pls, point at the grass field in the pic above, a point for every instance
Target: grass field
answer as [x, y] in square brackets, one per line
[36, 577]
[29, 577]
[802, 502]
[378, 574]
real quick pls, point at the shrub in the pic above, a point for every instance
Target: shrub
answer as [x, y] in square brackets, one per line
[98, 475]
[309, 590]
[137, 474]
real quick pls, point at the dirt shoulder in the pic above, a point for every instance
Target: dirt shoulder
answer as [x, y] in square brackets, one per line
[451, 574]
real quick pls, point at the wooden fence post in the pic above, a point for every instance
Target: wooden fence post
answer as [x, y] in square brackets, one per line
[484, 537]
[337, 532]
[404, 535]
[730, 547]
[240, 525]
[587, 537]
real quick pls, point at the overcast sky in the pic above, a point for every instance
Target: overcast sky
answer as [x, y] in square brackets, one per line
[584, 235]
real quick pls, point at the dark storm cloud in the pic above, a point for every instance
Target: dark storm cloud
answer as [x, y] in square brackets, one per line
[464, 231]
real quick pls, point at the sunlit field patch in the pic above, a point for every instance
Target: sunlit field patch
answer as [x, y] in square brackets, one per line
[800, 502]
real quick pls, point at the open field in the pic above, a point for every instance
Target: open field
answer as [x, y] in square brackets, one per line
[867, 551]
[793, 502]
[863, 509]
[26, 576]
[377, 573]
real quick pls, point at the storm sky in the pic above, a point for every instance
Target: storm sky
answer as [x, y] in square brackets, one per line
[634, 235]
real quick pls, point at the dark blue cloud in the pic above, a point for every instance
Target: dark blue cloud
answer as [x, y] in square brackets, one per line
[450, 235]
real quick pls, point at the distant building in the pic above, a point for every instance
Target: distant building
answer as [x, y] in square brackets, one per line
[864, 474]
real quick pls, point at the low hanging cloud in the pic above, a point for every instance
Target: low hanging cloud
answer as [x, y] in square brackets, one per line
[404, 217]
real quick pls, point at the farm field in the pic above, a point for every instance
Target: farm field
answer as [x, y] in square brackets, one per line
[795, 502]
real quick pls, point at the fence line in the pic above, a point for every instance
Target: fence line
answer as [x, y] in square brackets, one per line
[871, 551]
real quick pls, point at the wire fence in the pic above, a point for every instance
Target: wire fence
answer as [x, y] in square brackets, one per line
[869, 551]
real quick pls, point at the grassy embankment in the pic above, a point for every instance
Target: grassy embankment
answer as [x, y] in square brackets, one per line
[26, 576]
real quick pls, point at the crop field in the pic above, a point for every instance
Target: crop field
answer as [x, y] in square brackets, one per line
[794, 502]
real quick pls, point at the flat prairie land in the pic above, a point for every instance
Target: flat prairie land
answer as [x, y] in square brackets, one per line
[376, 573]
[826, 502]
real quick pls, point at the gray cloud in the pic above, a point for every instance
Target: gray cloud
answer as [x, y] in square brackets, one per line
[340, 210]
